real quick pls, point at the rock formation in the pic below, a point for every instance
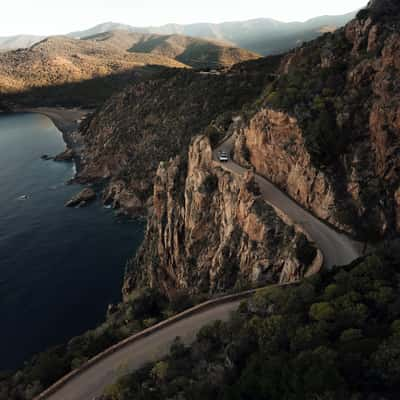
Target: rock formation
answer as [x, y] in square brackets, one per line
[153, 121]
[210, 231]
[82, 199]
[66, 155]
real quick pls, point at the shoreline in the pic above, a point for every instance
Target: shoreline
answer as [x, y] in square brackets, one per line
[67, 121]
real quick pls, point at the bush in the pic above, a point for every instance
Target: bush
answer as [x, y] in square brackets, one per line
[322, 312]
[350, 335]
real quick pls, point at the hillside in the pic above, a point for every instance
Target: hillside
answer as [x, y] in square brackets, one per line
[59, 62]
[198, 53]
[321, 122]
[153, 121]
[326, 130]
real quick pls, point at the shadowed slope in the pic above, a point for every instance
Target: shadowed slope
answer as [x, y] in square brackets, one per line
[195, 52]
[60, 60]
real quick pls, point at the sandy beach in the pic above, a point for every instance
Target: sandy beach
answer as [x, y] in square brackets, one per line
[65, 119]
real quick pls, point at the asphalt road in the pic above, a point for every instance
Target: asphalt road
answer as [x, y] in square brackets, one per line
[92, 382]
[337, 248]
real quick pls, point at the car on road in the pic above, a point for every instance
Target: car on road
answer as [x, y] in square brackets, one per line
[223, 156]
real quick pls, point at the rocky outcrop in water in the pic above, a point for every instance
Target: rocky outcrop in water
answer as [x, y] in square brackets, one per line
[66, 155]
[210, 231]
[82, 199]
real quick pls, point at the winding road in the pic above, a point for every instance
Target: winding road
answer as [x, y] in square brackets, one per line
[337, 248]
[133, 353]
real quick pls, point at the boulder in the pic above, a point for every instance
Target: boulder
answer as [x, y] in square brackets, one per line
[82, 199]
[66, 155]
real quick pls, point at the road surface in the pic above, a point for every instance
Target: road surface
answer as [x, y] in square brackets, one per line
[92, 382]
[337, 248]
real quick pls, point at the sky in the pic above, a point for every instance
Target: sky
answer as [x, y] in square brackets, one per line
[49, 17]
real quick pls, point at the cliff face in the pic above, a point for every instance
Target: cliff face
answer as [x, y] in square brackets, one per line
[273, 144]
[153, 121]
[210, 231]
[328, 129]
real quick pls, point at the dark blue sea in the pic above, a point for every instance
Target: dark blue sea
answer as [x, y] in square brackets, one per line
[59, 267]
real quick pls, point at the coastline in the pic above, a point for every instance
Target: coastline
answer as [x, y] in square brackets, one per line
[67, 121]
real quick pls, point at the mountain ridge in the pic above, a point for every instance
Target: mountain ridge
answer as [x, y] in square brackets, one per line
[56, 66]
[195, 52]
[258, 31]
[229, 32]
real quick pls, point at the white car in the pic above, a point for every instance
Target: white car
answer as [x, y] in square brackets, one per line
[223, 156]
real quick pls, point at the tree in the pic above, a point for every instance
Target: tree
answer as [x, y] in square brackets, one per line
[322, 312]
[160, 371]
[350, 335]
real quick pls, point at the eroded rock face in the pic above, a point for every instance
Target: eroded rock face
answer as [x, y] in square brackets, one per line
[352, 178]
[273, 144]
[210, 231]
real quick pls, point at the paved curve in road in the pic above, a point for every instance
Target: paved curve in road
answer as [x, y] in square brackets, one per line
[337, 248]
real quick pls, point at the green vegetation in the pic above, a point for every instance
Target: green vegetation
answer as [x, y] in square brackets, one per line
[334, 336]
[312, 93]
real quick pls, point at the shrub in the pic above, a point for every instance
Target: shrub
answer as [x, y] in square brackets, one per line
[322, 312]
[350, 335]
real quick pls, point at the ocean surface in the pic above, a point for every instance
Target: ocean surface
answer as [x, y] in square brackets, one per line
[59, 267]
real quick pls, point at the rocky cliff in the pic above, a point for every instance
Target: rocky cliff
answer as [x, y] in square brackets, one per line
[322, 122]
[327, 129]
[210, 231]
[153, 121]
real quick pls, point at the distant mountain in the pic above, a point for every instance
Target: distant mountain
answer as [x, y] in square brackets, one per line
[61, 61]
[19, 41]
[198, 53]
[102, 28]
[263, 36]
[68, 71]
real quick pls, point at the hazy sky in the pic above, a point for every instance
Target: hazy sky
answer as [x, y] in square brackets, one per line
[48, 17]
